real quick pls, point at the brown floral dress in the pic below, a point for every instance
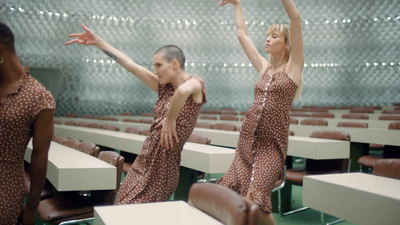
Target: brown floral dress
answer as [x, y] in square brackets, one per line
[263, 141]
[18, 111]
[154, 174]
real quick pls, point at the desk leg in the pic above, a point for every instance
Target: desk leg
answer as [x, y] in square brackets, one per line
[286, 192]
[356, 151]
[186, 178]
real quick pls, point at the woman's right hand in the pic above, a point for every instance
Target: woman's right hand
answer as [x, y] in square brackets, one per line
[224, 2]
[87, 38]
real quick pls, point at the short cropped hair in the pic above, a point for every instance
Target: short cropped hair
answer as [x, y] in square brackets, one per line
[171, 52]
[6, 37]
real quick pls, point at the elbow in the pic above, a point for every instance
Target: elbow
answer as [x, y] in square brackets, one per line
[295, 17]
[241, 35]
[183, 92]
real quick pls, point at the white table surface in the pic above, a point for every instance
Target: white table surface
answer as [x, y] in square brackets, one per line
[167, 213]
[356, 197]
[205, 158]
[71, 170]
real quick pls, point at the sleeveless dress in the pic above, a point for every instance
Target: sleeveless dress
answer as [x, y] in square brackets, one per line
[154, 174]
[262, 147]
[18, 111]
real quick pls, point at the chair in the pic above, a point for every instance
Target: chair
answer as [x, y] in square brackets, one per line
[280, 184]
[319, 110]
[129, 157]
[73, 115]
[146, 114]
[223, 204]
[198, 138]
[89, 148]
[110, 118]
[86, 116]
[391, 112]
[387, 168]
[352, 124]
[362, 110]
[74, 209]
[389, 117]
[213, 111]
[314, 122]
[300, 114]
[294, 121]
[228, 117]
[323, 115]
[57, 122]
[355, 116]
[95, 125]
[204, 125]
[145, 121]
[224, 126]
[70, 123]
[229, 113]
[130, 120]
[145, 132]
[298, 110]
[59, 139]
[110, 127]
[126, 114]
[72, 143]
[295, 176]
[82, 124]
[48, 188]
[225, 109]
[208, 117]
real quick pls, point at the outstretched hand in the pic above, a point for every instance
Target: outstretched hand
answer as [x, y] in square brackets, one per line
[224, 2]
[87, 38]
[168, 133]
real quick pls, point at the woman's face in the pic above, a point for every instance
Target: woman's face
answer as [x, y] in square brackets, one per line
[163, 69]
[275, 43]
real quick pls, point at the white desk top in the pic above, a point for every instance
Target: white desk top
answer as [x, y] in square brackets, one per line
[71, 170]
[205, 158]
[167, 213]
[357, 197]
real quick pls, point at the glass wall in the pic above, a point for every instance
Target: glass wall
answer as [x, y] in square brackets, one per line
[351, 49]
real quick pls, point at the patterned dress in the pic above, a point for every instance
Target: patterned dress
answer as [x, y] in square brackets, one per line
[18, 111]
[154, 174]
[263, 141]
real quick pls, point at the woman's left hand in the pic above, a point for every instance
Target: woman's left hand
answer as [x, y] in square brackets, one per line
[168, 133]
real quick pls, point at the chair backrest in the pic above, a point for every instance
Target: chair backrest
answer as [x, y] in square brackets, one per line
[362, 110]
[72, 143]
[229, 112]
[208, 117]
[132, 130]
[71, 115]
[145, 121]
[213, 111]
[352, 124]
[81, 124]
[387, 168]
[229, 117]
[394, 126]
[110, 118]
[300, 114]
[130, 120]
[391, 112]
[110, 127]
[145, 132]
[86, 116]
[327, 134]
[57, 122]
[224, 126]
[70, 123]
[95, 125]
[146, 114]
[290, 133]
[107, 197]
[319, 110]
[294, 121]
[389, 117]
[60, 140]
[323, 115]
[314, 122]
[355, 116]
[198, 138]
[204, 125]
[126, 114]
[223, 204]
[89, 148]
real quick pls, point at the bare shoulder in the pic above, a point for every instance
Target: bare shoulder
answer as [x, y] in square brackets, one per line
[294, 71]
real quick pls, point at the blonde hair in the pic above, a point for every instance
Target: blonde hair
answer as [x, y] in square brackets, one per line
[284, 29]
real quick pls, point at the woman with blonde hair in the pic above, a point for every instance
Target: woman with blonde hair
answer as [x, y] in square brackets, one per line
[263, 142]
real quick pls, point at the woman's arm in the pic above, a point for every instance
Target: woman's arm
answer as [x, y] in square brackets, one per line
[296, 60]
[42, 133]
[190, 89]
[259, 62]
[90, 38]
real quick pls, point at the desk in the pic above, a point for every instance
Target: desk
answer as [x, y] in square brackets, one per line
[167, 213]
[356, 197]
[71, 170]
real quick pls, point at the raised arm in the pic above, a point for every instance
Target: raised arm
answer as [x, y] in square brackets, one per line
[296, 60]
[42, 133]
[189, 89]
[90, 38]
[259, 62]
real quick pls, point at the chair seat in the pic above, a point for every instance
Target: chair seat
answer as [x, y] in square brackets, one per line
[54, 210]
[369, 160]
[296, 175]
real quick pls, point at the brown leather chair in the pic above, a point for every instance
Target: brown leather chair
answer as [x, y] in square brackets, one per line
[80, 208]
[72, 143]
[362, 110]
[355, 116]
[224, 126]
[228, 117]
[89, 148]
[319, 110]
[145, 132]
[295, 176]
[149, 121]
[223, 204]
[87, 117]
[352, 124]
[198, 138]
[110, 118]
[126, 114]
[208, 117]
[387, 168]
[59, 139]
[213, 111]
[129, 120]
[110, 127]
[73, 115]
[389, 117]
[146, 114]
[204, 125]
[95, 125]
[391, 112]
[294, 121]
[314, 122]
[323, 115]
[224, 109]
[298, 110]
[57, 122]
[48, 188]
[230, 112]
[70, 123]
[82, 124]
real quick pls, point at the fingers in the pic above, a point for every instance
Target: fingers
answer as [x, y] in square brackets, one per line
[71, 41]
